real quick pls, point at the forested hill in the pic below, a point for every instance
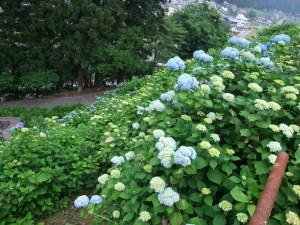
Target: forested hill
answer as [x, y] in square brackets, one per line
[291, 6]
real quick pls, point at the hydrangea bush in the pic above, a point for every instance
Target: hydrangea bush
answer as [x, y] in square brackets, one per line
[204, 158]
[192, 144]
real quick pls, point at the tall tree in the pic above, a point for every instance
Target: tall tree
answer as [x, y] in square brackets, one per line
[204, 26]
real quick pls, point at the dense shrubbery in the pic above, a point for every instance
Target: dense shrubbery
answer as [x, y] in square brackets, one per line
[35, 116]
[223, 122]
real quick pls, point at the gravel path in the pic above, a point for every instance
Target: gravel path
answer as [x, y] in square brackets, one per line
[50, 102]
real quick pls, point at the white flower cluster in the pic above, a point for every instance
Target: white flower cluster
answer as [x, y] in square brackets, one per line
[156, 105]
[264, 105]
[290, 92]
[215, 137]
[157, 133]
[205, 88]
[145, 216]
[117, 160]
[255, 87]
[217, 82]
[136, 126]
[129, 155]
[228, 97]
[166, 147]
[292, 218]
[165, 142]
[157, 184]
[103, 179]
[228, 74]
[289, 131]
[272, 158]
[274, 146]
[184, 156]
[168, 197]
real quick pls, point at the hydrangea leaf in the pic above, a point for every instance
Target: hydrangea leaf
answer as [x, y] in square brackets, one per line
[238, 195]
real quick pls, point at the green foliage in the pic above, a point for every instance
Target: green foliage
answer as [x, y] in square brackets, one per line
[252, 13]
[37, 81]
[6, 83]
[204, 28]
[38, 170]
[85, 42]
[35, 116]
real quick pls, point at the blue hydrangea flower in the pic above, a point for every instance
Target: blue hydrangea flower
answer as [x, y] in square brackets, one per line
[96, 199]
[168, 96]
[20, 125]
[282, 37]
[239, 41]
[202, 56]
[184, 156]
[186, 82]
[81, 201]
[176, 64]
[230, 52]
[266, 62]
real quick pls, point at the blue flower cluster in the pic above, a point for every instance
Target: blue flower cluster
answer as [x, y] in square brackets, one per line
[282, 37]
[184, 156]
[168, 96]
[202, 56]
[186, 82]
[84, 201]
[239, 41]
[230, 52]
[176, 64]
[266, 62]
[68, 116]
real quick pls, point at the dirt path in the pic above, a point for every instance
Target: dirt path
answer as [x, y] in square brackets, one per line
[50, 102]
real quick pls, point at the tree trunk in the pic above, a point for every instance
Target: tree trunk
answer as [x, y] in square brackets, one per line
[81, 79]
[165, 221]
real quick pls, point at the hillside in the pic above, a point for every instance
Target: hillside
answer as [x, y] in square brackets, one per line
[191, 144]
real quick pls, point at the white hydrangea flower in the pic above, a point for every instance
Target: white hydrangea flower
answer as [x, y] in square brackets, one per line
[157, 184]
[115, 173]
[292, 218]
[136, 126]
[274, 146]
[165, 142]
[225, 206]
[216, 79]
[157, 133]
[274, 106]
[129, 155]
[286, 130]
[290, 89]
[296, 128]
[242, 217]
[109, 140]
[296, 189]
[200, 127]
[215, 137]
[255, 87]
[274, 128]
[119, 187]
[205, 145]
[272, 158]
[184, 156]
[156, 105]
[103, 178]
[116, 214]
[165, 156]
[118, 160]
[205, 88]
[228, 97]
[212, 116]
[261, 104]
[228, 74]
[144, 216]
[213, 152]
[168, 197]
